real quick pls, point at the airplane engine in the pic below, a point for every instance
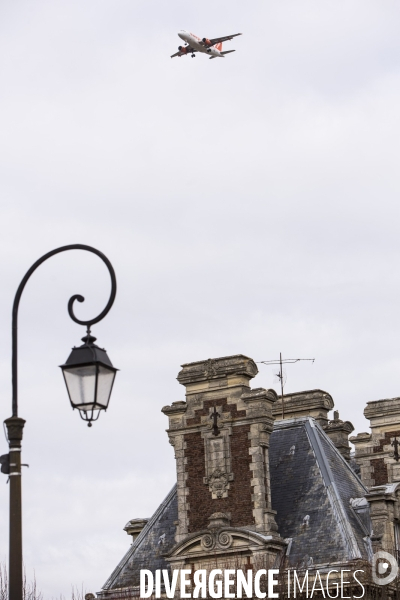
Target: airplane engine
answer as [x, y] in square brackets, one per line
[182, 49]
[206, 42]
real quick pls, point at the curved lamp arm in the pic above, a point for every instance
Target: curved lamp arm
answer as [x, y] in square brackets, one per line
[71, 313]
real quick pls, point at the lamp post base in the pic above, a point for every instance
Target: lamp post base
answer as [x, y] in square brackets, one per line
[15, 426]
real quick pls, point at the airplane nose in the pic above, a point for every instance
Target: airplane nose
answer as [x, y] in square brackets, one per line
[181, 35]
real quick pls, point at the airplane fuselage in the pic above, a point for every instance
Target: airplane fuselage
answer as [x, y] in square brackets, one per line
[198, 44]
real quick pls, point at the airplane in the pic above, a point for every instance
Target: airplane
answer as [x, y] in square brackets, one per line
[194, 44]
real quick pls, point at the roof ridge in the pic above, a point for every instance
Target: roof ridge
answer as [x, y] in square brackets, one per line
[342, 458]
[333, 493]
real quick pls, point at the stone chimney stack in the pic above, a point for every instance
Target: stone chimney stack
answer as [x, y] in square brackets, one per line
[221, 439]
[375, 452]
[312, 403]
[317, 404]
[134, 527]
[338, 431]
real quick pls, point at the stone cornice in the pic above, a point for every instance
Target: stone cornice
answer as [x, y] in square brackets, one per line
[217, 368]
[228, 422]
[379, 408]
[176, 408]
[361, 438]
[315, 403]
[339, 425]
[260, 394]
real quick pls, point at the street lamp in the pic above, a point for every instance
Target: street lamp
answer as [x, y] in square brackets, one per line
[89, 376]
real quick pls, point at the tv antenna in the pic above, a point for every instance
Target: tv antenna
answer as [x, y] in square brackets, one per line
[281, 374]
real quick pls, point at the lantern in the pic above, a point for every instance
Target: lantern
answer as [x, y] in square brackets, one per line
[89, 377]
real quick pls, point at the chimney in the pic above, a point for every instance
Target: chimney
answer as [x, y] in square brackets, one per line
[221, 439]
[134, 527]
[338, 431]
[377, 453]
[312, 403]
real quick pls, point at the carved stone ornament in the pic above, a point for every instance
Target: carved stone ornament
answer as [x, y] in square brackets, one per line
[218, 462]
[210, 368]
[224, 539]
[220, 540]
[218, 482]
[219, 520]
[208, 541]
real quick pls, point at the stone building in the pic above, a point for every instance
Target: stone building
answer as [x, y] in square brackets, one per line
[256, 491]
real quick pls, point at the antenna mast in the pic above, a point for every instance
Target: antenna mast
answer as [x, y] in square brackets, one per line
[282, 362]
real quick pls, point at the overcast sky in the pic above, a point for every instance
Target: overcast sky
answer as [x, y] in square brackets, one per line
[249, 205]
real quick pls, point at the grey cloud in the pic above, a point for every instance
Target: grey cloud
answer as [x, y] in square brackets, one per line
[248, 205]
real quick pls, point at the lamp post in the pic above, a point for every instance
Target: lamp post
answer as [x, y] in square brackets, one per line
[89, 376]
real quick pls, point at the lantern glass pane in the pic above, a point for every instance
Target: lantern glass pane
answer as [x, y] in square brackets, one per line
[81, 384]
[104, 385]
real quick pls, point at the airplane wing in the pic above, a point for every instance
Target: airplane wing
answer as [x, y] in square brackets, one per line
[225, 38]
[186, 50]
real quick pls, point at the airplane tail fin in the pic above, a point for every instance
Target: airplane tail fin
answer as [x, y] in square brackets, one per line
[218, 46]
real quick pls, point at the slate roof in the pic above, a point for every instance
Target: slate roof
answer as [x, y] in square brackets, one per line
[311, 488]
[148, 549]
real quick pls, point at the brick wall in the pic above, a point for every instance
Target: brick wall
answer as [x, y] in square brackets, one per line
[380, 474]
[226, 408]
[385, 441]
[238, 502]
